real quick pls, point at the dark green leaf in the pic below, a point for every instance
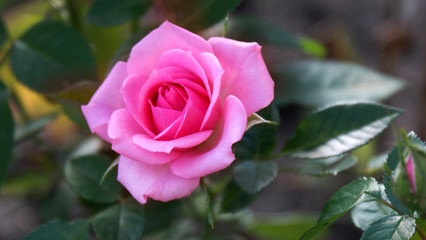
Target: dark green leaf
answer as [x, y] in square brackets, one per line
[51, 56]
[120, 222]
[339, 128]
[333, 168]
[260, 140]
[160, 215]
[366, 213]
[3, 32]
[255, 30]
[235, 199]
[316, 83]
[392, 162]
[58, 203]
[54, 230]
[73, 111]
[391, 227]
[84, 175]
[112, 12]
[253, 176]
[343, 201]
[6, 133]
[196, 15]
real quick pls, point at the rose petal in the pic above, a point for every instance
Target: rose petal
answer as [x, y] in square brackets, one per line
[122, 128]
[131, 91]
[154, 181]
[106, 99]
[246, 75]
[123, 124]
[163, 117]
[188, 141]
[146, 53]
[216, 153]
[214, 73]
[185, 60]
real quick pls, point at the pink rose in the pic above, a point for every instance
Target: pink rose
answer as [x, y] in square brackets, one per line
[176, 107]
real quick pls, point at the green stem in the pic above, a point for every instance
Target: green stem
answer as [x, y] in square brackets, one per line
[73, 12]
[390, 205]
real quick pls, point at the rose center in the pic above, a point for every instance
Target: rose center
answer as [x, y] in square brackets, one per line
[171, 96]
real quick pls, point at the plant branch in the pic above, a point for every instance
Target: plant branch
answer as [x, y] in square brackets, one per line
[422, 235]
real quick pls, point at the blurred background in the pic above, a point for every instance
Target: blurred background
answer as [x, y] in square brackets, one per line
[385, 35]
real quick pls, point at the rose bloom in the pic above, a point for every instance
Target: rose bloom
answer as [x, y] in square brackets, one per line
[175, 108]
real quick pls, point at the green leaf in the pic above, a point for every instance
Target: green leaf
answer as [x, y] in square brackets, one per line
[316, 83]
[343, 201]
[120, 222]
[260, 140]
[6, 133]
[333, 168]
[51, 56]
[161, 215]
[58, 203]
[3, 32]
[366, 213]
[84, 174]
[255, 30]
[196, 15]
[391, 164]
[339, 128]
[235, 199]
[54, 230]
[112, 12]
[253, 176]
[391, 227]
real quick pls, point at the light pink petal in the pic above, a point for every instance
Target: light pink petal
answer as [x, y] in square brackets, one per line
[123, 124]
[154, 181]
[109, 92]
[216, 153]
[126, 147]
[106, 99]
[131, 91]
[122, 128]
[146, 53]
[188, 141]
[246, 75]
[97, 116]
[214, 73]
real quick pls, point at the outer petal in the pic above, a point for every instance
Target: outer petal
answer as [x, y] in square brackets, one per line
[145, 54]
[188, 141]
[154, 181]
[122, 128]
[215, 154]
[106, 99]
[246, 75]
